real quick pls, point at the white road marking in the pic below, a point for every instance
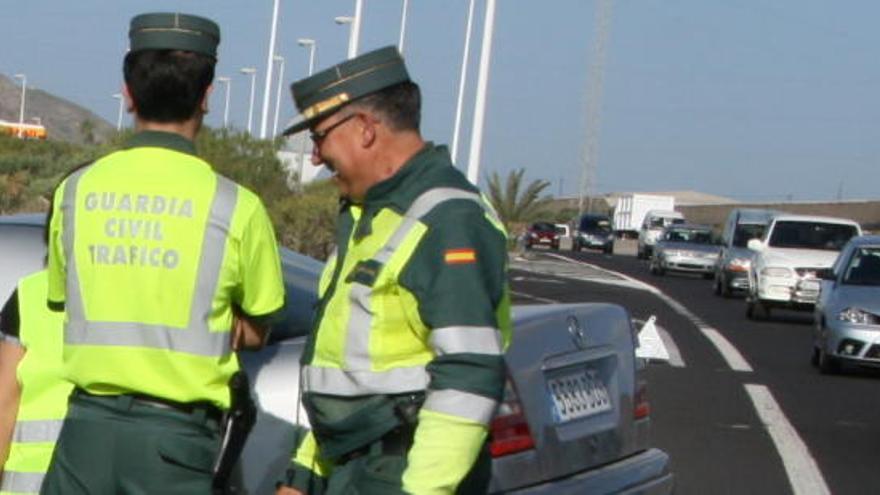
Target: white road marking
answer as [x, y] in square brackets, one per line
[675, 359]
[730, 353]
[534, 298]
[803, 472]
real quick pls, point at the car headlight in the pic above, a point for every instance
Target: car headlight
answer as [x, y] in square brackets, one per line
[739, 264]
[779, 272]
[859, 316]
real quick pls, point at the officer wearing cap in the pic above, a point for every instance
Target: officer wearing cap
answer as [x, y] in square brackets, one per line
[163, 269]
[403, 369]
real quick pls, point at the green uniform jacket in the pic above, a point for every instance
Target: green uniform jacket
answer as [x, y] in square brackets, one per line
[414, 306]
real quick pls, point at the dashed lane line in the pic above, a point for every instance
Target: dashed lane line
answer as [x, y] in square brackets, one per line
[800, 466]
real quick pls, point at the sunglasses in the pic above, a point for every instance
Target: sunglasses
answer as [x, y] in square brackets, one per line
[319, 136]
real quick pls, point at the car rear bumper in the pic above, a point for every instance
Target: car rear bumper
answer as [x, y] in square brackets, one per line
[646, 473]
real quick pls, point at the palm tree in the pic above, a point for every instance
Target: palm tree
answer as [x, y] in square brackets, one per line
[513, 203]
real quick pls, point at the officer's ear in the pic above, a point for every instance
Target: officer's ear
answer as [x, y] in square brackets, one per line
[368, 130]
[204, 103]
[129, 101]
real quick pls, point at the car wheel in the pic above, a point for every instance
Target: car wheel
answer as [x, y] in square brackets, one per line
[756, 310]
[828, 365]
[814, 359]
[555, 247]
[640, 254]
[609, 250]
[716, 286]
[708, 276]
[725, 288]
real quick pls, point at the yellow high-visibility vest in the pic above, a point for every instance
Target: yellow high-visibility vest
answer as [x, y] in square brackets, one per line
[44, 393]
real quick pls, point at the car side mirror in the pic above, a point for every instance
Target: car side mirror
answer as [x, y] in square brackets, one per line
[755, 245]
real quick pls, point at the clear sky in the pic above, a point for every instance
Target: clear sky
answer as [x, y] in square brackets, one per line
[750, 99]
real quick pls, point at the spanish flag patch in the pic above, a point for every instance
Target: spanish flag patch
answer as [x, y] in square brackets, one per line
[460, 256]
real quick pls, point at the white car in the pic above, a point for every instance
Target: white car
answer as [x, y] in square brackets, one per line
[787, 258]
[652, 227]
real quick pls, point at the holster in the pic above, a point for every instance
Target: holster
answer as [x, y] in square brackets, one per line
[237, 426]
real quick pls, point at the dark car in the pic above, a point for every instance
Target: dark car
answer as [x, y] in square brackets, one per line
[575, 416]
[542, 234]
[594, 232]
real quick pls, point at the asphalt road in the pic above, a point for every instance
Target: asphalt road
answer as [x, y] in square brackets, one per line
[758, 421]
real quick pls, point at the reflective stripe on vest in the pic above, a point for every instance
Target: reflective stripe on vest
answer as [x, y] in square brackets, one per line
[20, 482]
[357, 379]
[462, 404]
[196, 338]
[37, 430]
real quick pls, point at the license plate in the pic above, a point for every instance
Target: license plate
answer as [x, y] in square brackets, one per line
[577, 395]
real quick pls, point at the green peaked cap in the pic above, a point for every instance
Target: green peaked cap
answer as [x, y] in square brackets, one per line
[172, 31]
[319, 95]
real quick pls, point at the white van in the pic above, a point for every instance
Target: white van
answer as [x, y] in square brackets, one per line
[653, 225]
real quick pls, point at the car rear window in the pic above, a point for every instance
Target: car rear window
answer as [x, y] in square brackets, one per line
[595, 223]
[811, 235]
[746, 232]
[544, 227]
[693, 236]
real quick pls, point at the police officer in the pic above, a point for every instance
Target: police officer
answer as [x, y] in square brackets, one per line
[163, 268]
[404, 367]
[33, 394]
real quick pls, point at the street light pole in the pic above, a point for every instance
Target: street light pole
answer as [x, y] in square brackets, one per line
[312, 47]
[344, 19]
[402, 26]
[253, 73]
[301, 151]
[227, 81]
[355, 29]
[21, 111]
[461, 82]
[280, 60]
[480, 104]
[118, 96]
[269, 66]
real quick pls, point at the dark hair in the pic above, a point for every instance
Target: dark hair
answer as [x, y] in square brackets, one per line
[167, 85]
[400, 105]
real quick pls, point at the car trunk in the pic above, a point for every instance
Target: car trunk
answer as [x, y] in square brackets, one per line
[574, 372]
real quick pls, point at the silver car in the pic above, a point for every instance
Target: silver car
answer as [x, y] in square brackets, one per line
[847, 314]
[575, 416]
[685, 248]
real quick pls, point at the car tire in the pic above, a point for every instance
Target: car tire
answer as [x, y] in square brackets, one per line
[716, 285]
[725, 289]
[640, 254]
[756, 310]
[814, 359]
[828, 365]
[609, 250]
[708, 276]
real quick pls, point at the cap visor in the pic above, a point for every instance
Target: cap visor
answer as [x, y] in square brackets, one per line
[299, 124]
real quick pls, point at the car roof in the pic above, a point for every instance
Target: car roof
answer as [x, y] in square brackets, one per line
[789, 217]
[29, 219]
[865, 240]
[755, 215]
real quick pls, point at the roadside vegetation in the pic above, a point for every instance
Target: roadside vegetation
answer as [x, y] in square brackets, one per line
[304, 217]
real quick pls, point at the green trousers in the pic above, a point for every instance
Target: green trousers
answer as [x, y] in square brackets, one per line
[380, 474]
[119, 446]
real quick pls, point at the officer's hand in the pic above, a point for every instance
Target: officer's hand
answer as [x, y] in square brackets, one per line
[246, 334]
[288, 490]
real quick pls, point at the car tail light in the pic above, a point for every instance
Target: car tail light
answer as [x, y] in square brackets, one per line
[508, 430]
[641, 407]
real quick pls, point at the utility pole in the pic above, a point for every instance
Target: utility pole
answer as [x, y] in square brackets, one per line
[593, 103]
[270, 64]
[473, 173]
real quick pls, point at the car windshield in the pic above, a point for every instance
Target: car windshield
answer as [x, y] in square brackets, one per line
[693, 236]
[595, 223]
[864, 267]
[811, 235]
[746, 232]
[544, 227]
[660, 222]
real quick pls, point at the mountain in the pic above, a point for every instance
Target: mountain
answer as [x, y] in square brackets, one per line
[64, 120]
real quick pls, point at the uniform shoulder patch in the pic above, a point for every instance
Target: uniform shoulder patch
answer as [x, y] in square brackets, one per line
[460, 256]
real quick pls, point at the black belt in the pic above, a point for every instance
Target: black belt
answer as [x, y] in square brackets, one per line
[396, 442]
[210, 411]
